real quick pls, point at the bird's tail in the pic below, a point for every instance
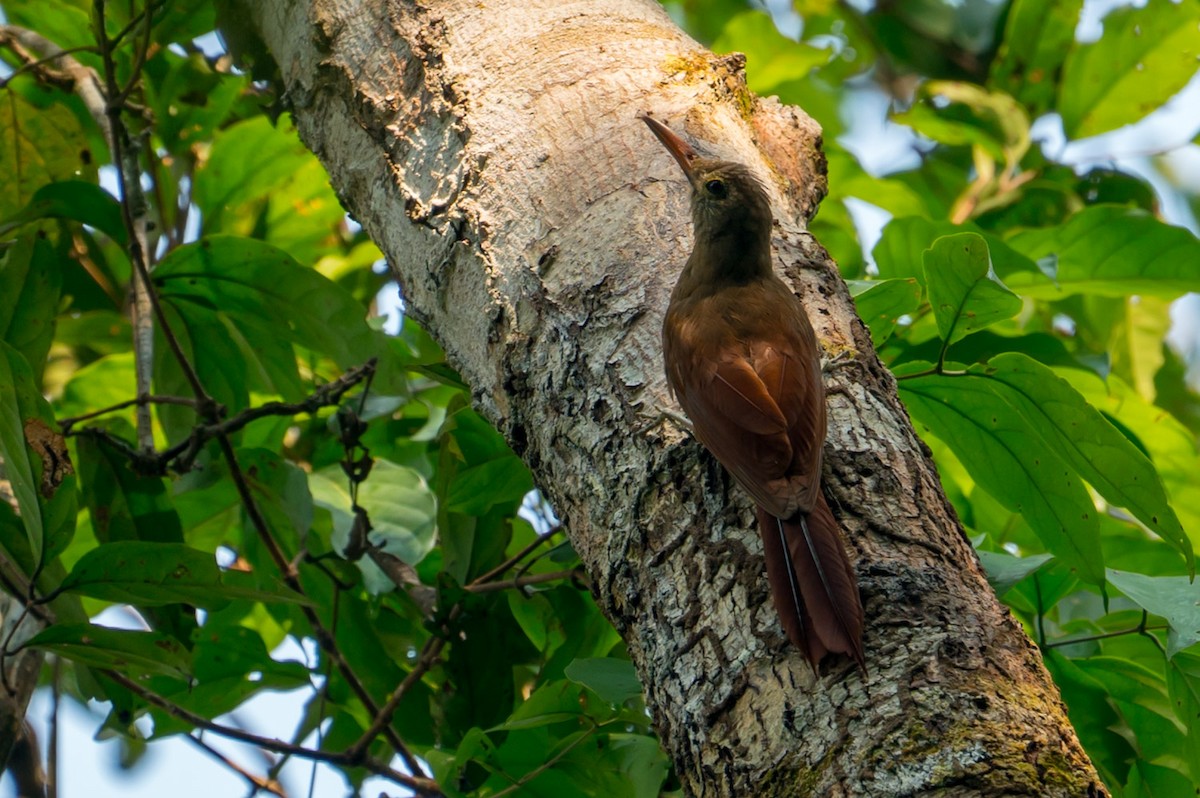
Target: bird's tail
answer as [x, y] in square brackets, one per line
[813, 584]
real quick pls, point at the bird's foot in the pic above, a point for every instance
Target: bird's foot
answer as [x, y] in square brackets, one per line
[842, 358]
[665, 414]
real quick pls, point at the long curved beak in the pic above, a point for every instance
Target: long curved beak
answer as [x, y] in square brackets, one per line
[680, 150]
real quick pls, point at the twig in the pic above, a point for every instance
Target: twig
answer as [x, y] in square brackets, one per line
[1139, 629]
[145, 305]
[418, 784]
[520, 582]
[52, 731]
[433, 647]
[66, 423]
[324, 638]
[180, 457]
[257, 782]
[516, 558]
[549, 763]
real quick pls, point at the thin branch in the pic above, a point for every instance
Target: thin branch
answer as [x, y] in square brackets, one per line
[1133, 630]
[145, 305]
[434, 645]
[324, 638]
[66, 423]
[256, 782]
[420, 785]
[516, 558]
[139, 61]
[549, 763]
[36, 64]
[520, 582]
[52, 731]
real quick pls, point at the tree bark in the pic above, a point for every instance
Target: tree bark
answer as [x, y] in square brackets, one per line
[492, 151]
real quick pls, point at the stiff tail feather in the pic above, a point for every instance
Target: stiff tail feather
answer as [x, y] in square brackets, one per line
[813, 584]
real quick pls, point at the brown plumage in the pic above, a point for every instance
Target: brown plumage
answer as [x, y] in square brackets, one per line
[743, 361]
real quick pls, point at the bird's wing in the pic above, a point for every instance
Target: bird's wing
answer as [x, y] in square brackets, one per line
[791, 374]
[736, 418]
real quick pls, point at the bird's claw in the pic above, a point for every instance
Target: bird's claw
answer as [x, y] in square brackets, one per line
[665, 414]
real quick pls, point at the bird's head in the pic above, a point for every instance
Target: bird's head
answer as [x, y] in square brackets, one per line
[727, 199]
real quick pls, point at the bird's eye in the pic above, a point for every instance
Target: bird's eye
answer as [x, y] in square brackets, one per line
[717, 188]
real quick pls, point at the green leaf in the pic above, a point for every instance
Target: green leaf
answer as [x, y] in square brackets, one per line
[260, 179]
[133, 652]
[964, 291]
[42, 478]
[31, 284]
[42, 145]
[124, 505]
[900, 251]
[1145, 56]
[1092, 716]
[477, 488]
[1012, 462]
[1004, 570]
[1110, 250]
[240, 298]
[155, 574]
[1037, 37]
[1086, 441]
[881, 303]
[402, 508]
[1183, 688]
[78, 200]
[772, 59]
[1175, 598]
[969, 114]
[1171, 446]
[230, 664]
[614, 680]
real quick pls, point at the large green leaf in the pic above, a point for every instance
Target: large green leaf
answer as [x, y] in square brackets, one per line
[614, 680]
[30, 290]
[1183, 687]
[35, 459]
[963, 289]
[900, 251]
[402, 509]
[260, 179]
[881, 303]
[772, 59]
[1175, 598]
[1089, 443]
[40, 145]
[124, 505]
[129, 651]
[1037, 37]
[1012, 462]
[1145, 56]
[955, 113]
[155, 574]
[1111, 250]
[259, 300]
[78, 200]
[1171, 446]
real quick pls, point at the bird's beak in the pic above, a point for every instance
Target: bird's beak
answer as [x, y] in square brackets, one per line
[680, 150]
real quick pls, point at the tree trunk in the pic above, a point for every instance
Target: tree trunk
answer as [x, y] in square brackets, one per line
[492, 151]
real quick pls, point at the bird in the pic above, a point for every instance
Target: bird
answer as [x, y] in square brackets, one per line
[743, 362]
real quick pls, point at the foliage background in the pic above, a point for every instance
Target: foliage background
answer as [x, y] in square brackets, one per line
[1017, 274]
